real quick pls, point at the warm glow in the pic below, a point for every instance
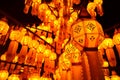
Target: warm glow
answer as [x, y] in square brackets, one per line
[116, 39]
[3, 28]
[3, 74]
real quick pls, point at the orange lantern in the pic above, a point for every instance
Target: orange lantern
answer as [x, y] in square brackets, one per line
[35, 6]
[99, 6]
[26, 40]
[116, 41]
[87, 34]
[107, 44]
[41, 48]
[15, 35]
[4, 74]
[33, 44]
[4, 27]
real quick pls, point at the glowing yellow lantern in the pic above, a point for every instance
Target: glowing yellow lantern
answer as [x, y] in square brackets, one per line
[33, 44]
[87, 34]
[99, 6]
[15, 35]
[26, 40]
[13, 77]
[47, 53]
[4, 27]
[41, 48]
[116, 41]
[41, 11]
[107, 45]
[49, 40]
[24, 50]
[4, 74]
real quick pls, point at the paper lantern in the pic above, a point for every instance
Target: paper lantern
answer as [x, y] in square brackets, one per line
[15, 35]
[13, 77]
[41, 48]
[87, 34]
[26, 40]
[33, 44]
[4, 74]
[47, 53]
[107, 44]
[4, 27]
[116, 41]
[52, 56]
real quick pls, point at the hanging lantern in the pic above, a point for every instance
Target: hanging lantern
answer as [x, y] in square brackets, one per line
[53, 56]
[35, 6]
[116, 41]
[107, 44]
[33, 44]
[87, 34]
[47, 53]
[99, 6]
[13, 77]
[26, 40]
[41, 48]
[15, 35]
[4, 74]
[4, 27]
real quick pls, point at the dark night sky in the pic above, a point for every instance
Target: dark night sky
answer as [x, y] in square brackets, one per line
[14, 8]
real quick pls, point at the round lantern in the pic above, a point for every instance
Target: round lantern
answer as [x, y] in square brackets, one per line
[4, 74]
[52, 56]
[15, 35]
[41, 48]
[13, 77]
[116, 41]
[87, 34]
[26, 40]
[33, 44]
[4, 27]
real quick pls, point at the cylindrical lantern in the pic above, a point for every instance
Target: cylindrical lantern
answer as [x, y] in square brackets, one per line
[107, 45]
[88, 34]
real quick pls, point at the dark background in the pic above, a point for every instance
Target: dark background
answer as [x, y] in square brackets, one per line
[14, 10]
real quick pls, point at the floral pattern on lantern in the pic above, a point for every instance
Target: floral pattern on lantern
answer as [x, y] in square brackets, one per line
[87, 33]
